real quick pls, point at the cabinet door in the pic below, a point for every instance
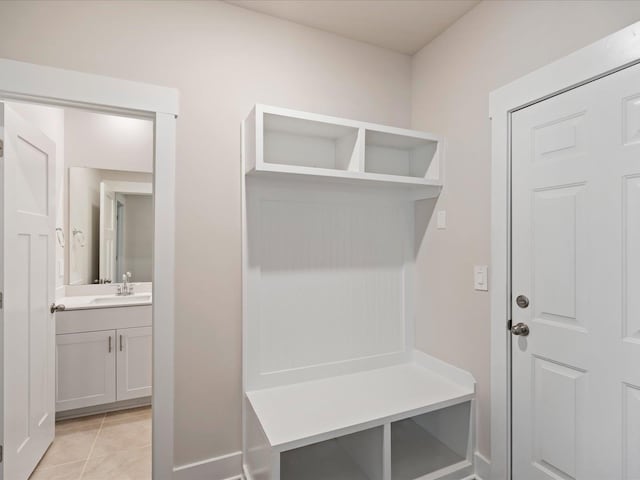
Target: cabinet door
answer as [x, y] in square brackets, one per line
[134, 363]
[85, 369]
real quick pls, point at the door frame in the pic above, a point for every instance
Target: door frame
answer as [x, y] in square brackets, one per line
[58, 87]
[604, 57]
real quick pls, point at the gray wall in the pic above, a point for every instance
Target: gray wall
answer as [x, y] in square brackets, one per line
[223, 59]
[494, 44]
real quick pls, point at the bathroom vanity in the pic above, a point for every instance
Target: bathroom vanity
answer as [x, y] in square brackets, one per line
[333, 385]
[103, 352]
[104, 327]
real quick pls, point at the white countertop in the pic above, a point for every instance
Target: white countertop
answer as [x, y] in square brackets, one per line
[85, 302]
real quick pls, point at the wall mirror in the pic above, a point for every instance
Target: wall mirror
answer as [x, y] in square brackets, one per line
[110, 226]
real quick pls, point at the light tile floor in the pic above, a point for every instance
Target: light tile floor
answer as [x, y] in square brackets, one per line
[108, 446]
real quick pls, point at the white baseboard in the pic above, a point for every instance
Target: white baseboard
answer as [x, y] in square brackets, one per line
[483, 467]
[104, 408]
[225, 467]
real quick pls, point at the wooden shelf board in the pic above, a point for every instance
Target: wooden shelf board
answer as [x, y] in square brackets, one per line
[418, 187]
[304, 413]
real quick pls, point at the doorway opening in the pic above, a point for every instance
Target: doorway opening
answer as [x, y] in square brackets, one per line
[83, 383]
[29, 192]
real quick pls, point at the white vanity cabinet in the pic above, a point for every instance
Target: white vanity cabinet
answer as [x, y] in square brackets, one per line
[85, 369]
[134, 365]
[103, 356]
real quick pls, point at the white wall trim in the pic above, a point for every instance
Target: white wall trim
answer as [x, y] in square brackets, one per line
[53, 86]
[164, 250]
[606, 56]
[482, 466]
[225, 467]
[58, 86]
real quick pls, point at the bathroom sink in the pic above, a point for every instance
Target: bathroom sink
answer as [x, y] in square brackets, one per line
[122, 299]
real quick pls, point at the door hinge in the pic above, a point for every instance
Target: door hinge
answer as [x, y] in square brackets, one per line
[1, 148]
[1, 300]
[1, 454]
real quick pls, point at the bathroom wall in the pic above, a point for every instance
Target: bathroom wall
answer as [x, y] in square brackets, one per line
[108, 141]
[223, 59]
[493, 44]
[98, 141]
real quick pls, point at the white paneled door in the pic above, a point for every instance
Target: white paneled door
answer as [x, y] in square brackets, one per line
[576, 283]
[28, 280]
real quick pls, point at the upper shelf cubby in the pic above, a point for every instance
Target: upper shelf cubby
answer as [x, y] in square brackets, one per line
[402, 155]
[286, 143]
[309, 143]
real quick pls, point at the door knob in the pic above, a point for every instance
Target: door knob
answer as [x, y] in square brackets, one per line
[520, 329]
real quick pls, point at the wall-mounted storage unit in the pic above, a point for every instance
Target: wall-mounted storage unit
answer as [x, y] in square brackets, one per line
[282, 141]
[333, 386]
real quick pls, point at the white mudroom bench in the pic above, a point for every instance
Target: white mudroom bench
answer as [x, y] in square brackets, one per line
[334, 387]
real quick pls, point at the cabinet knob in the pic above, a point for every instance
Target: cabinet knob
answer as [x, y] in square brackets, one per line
[56, 308]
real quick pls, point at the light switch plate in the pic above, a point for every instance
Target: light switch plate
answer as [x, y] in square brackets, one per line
[441, 219]
[481, 278]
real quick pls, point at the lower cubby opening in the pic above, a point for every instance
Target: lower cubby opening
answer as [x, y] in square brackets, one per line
[426, 444]
[357, 456]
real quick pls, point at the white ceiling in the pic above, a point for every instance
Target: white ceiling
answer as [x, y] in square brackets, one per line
[401, 25]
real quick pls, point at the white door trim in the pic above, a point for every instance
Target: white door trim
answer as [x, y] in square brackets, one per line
[55, 86]
[604, 57]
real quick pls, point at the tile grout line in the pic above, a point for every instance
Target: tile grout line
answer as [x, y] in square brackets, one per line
[84, 467]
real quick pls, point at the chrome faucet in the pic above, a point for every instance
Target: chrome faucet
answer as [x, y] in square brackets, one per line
[126, 288]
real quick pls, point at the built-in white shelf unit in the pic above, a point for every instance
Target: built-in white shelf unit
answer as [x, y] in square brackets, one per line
[333, 387]
[287, 142]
